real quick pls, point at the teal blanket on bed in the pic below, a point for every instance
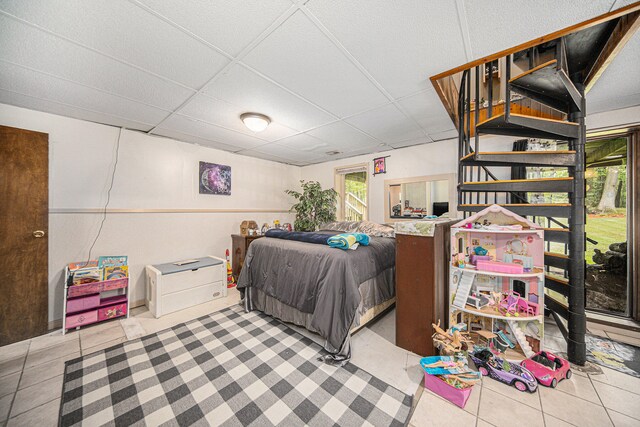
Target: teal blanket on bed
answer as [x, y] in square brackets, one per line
[348, 240]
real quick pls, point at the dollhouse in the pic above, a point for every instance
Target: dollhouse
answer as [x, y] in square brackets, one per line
[497, 281]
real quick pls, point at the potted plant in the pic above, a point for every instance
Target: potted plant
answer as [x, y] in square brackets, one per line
[315, 206]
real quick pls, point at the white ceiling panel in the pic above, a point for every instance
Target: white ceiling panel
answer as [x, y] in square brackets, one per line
[387, 124]
[619, 85]
[343, 136]
[412, 142]
[427, 109]
[307, 144]
[298, 56]
[125, 31]
[249, 91]
[39, 104]
[227, 24]
[193, 139]
[210, 132]
[36, 84]
[501, 24]
[400, 43]
[30, 47]
[285, 152]
[265, 156]
[226, 115]
[447, 134]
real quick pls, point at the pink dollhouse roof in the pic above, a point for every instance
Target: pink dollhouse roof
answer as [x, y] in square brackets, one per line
[496, 214]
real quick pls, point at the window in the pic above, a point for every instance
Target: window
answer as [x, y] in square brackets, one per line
[352, 185]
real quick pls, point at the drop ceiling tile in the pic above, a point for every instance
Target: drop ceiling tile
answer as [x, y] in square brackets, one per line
[39, 104]
[210, 132]
[300, 57]
[29, 47]
[287, 152]
[387, 124]
[427, 109]
[38, 85]
[412, 142]
[343, 137]
[227, 24]
[226, 115]
[447, 134]
[400, 43]
[251, 92]
[265, 156]
[307, 144]
[506, 23]
[125, 31]
[179, 136]
[619, 86]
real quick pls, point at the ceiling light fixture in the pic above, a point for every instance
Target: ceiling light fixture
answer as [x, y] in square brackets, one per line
[255, 122]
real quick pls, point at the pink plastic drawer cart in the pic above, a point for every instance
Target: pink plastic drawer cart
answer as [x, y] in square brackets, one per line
[93, 302]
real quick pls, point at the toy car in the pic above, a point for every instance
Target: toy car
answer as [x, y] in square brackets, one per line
[502, 370]
[548, 368]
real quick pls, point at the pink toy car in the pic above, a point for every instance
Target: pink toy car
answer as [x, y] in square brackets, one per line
[548, 368]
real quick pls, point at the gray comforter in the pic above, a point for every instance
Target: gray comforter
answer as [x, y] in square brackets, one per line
[317, 279]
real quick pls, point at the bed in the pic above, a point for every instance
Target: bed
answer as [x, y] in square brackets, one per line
[329, 291]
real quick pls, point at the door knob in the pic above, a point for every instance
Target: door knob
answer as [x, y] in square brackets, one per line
[38, 233]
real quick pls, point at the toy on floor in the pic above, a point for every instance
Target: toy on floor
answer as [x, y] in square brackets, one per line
[504, 371]
[450, 342]
[548, 368]
[230, 280]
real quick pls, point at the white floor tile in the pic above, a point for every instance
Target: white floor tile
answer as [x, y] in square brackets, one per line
[433, 410]
[386, 327]
[15, 350]
[473, 404]
[621, 420]
[9, 383]
[501, 411]
[617, 379]
[572, 409]
[92, 337]
[5, 405]
[579, 386]
[103, 346]
[43, 416]
[483, 423]
[54, 352]
[44, 371]
[36, 395]
[529, 399]
[619, 400]
[51, 339]
[550, 421]
[9, 366]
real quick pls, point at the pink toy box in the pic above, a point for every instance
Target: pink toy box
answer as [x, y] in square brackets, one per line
[454, 395]
[500, 267]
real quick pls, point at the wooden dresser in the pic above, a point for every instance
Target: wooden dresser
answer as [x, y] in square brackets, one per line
[240, 244]
[422, 274]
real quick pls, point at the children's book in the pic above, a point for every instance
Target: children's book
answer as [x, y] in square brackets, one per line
[112, 261]
[82, 264]
[87, 275]
[115, 272]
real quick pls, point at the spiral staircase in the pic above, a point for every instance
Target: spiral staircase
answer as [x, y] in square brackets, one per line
[537, 90]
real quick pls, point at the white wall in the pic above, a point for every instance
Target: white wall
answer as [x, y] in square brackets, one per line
[152, 173]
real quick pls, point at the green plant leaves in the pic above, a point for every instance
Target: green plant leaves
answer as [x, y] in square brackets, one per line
[315, 206]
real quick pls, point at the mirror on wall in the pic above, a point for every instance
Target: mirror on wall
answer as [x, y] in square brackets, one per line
[418, 197]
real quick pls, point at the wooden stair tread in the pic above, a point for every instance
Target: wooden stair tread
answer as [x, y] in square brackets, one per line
[556, 255]
[557, 279]
[557, 301]
[564, 230]
[520, 180]
[544, 119]
[553, 62]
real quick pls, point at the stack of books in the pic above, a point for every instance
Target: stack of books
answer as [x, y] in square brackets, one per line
[104, 268]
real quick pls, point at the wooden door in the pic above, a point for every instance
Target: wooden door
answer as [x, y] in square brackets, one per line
[24, 219]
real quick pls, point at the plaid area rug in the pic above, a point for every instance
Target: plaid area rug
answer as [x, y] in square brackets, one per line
[229, 368]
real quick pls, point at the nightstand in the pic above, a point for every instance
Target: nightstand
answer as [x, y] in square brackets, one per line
[240, 245]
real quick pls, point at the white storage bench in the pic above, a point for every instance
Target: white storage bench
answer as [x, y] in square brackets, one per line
[172, 287]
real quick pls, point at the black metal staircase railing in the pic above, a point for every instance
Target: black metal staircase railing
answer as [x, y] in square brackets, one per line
[478, 186]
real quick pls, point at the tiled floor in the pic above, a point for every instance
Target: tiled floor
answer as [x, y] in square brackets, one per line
[31, 378]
